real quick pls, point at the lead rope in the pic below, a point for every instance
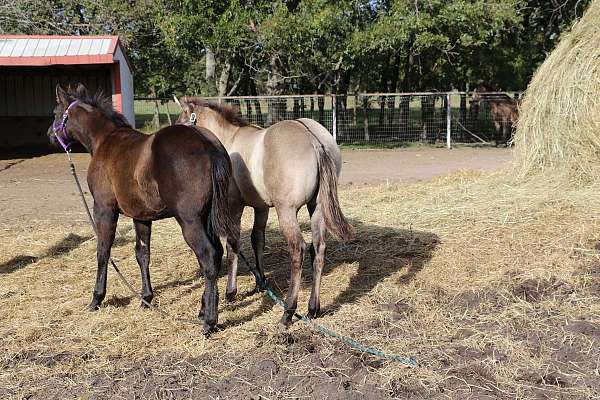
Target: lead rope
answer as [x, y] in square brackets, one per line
[405, 361]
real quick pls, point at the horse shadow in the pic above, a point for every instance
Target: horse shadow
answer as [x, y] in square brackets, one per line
[63, 247]
[379, 251]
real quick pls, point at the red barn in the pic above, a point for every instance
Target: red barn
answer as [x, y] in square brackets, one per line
[30, 68]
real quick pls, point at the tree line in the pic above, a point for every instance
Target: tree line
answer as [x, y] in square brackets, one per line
[270, 47]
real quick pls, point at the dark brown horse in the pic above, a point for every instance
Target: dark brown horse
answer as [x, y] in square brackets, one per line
[179, 172]
[504, 111]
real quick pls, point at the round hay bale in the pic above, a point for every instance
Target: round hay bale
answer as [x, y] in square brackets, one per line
[558, 131]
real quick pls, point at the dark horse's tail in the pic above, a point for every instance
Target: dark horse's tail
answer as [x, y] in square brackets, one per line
[328, 194]
[220, 217]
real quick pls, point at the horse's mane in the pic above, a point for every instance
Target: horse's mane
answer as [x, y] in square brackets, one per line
[226, 111]
[104, 105]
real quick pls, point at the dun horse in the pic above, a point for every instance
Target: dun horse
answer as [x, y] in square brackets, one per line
[178, 172]
[288, 165]
[503, 109]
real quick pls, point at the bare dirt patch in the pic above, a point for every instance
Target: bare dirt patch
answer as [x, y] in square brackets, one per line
[377, 166]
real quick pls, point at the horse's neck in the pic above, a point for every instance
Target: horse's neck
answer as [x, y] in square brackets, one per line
[96, 129]
[225, 132]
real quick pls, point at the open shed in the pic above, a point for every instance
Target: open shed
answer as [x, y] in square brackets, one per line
[30, 68]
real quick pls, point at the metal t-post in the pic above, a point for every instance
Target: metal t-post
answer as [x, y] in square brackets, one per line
[448, 122]
[334, 117]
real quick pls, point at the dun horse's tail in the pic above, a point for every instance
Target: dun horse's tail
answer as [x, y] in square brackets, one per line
[328, 194]
[220, 217]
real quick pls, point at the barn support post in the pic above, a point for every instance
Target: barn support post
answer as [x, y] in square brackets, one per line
[334, 117]
[448, 122]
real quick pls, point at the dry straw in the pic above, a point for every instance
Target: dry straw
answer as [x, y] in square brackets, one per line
[558, 131]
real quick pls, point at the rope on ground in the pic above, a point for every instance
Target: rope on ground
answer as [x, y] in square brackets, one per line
[406, 361]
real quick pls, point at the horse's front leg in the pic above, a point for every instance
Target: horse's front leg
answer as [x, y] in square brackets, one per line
[106, 225]
[143, 230]
[233, 248]
[261, 216]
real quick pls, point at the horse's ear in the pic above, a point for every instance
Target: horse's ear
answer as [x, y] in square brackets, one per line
[61, 95]
[81, 91]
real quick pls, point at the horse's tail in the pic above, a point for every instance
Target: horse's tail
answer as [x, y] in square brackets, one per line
[220, 217]
[328, 193]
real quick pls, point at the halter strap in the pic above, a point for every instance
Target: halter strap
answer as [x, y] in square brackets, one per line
[66, 141]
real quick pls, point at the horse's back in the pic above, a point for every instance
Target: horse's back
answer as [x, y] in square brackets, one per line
[291, 164]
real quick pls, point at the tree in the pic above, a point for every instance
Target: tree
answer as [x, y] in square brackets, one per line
[250, 47]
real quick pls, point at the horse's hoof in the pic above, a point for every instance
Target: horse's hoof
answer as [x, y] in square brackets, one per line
[94, 306]
[147, 301]
[313, 312]
[230, 296]
[286, 320]
[261, 286]
[209, 329]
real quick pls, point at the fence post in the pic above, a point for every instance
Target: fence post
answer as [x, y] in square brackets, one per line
[334, 117]
[448, 122]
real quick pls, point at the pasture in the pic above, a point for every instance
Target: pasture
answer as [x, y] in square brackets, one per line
[492, 286]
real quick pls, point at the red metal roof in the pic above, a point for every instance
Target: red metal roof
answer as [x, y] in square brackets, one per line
[40, 50]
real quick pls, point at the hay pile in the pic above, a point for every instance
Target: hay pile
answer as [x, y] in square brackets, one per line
[559, 126]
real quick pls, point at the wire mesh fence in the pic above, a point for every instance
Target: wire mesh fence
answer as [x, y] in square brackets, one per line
[379, 119]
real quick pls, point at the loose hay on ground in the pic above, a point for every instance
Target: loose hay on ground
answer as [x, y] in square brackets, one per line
[492, 286]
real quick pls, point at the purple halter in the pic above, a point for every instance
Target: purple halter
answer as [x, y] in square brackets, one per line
[66, 141]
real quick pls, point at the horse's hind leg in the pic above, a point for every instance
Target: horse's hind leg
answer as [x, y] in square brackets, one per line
[106, 225]
[261, 216]
[209, 252]
[142, 255]
[288, 222]
[317, 254]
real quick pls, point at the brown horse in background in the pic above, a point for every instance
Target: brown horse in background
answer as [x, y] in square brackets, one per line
[286, 166]
[504, 111]
[179, 172]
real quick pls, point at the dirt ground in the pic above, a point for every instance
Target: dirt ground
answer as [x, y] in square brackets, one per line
[41, 187]
[492, 286]
[375, 166]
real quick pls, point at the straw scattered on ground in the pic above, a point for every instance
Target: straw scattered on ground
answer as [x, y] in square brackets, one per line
[493, 287]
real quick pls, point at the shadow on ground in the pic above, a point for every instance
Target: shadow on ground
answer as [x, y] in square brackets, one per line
[379, 251]
[62, 247]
